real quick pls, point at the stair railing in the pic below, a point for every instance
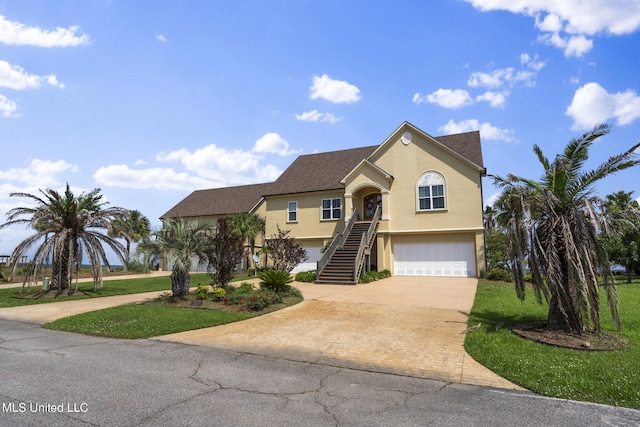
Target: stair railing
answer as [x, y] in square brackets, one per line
[365, 245]
[337, 242]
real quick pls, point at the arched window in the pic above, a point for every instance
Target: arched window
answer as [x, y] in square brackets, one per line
[430, 192]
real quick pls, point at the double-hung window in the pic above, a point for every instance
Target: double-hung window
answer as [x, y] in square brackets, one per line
[331, 209]
[292, 212]
[431, 192]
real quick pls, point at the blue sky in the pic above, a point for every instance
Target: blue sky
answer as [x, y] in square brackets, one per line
[150, 100]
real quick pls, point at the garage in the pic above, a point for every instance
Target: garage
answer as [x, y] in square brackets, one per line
[314, 253]
[430, 257]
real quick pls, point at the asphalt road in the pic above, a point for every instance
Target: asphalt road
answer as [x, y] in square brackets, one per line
[60, 379]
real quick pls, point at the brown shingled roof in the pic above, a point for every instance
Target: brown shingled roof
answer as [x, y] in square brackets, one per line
[318, 172]
[467, 144]
[219, 201]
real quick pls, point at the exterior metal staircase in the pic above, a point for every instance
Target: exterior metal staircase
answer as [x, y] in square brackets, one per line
[343, 261]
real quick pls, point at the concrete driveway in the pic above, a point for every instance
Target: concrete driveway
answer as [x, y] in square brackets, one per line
[401, 325]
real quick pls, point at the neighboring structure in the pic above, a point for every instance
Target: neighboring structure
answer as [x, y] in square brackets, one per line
[428, 190]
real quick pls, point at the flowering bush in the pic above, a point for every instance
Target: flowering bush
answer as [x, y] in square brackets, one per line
[261, 299]
[201, 292]
[218, 294]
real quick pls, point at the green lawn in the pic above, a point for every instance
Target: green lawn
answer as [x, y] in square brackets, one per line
[10, 297]
[604, 377]
[141, 321]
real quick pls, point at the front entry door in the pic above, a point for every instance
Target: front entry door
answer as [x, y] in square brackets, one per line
[371, 202]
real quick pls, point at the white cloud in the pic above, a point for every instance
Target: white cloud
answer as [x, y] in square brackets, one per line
[161, 38]
[592, 104]
[501, 77]
[316, 116]
[8, 107]
[566, 24]
[272, 143]
[15, 77]
[15, 33]
[158, 178]
[495, 99]
[573, 46]
[487, 130]
[445, 98]
[38, 173]
[229, 167]
[53, 81]
[336, 91]
[534, 63]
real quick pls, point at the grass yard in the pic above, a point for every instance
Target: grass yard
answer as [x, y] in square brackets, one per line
[142, 321]
[168, 314]
[608, 377]
[10, 297]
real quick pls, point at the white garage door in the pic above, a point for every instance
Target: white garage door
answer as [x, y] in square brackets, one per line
[455, 259]
[314, 253]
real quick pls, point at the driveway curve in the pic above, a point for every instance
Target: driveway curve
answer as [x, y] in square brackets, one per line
[402, 325]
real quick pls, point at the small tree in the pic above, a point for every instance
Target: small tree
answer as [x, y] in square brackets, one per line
[284, 251]
[133, 227]
[224, 251]
[181, 240]
[249, 226]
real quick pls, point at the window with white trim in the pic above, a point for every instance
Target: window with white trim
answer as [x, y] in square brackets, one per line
[292, 212]
[331, 209]
[431, 192]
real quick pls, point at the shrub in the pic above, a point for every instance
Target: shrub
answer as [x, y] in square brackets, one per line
[372, 276]
[293, 292]
[201, 292]
[275, 280]
[218, 294]
[237, 295]
[244, 288]
[306, 276]
[528, 277]
[499, 273]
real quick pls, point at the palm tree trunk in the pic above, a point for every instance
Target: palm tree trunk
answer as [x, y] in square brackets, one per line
[571, 319]
[180, 283]
[127, 252]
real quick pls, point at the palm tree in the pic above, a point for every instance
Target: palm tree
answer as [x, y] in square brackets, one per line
[179, 241]
[555, 222]
[66, 227]
[622, 238]
[249, 226]
[132, 228]
[489, 217]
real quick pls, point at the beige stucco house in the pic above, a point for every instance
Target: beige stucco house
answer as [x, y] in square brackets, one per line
[428, 191]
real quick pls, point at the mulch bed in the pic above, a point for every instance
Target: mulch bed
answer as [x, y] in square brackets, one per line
[587, 341]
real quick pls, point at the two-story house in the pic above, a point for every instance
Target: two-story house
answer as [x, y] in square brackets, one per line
[416, 198]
